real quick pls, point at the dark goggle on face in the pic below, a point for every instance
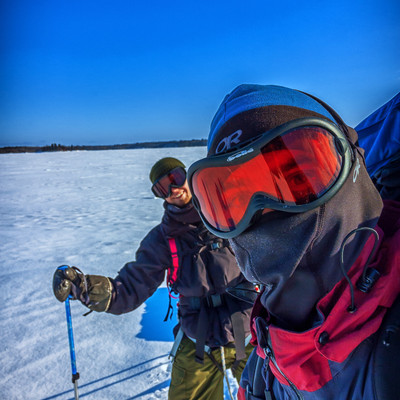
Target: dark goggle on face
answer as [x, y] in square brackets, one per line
[174, 178]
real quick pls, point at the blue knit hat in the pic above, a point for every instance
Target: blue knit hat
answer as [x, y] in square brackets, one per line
[250, 110]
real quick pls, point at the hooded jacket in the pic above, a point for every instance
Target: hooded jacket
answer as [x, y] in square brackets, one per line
[334, 359]
[204, 270]
[288, 252]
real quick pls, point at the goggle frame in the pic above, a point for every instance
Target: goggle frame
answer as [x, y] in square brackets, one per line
[251, 149]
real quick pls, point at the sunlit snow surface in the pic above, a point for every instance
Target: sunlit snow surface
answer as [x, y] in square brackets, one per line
[89, 209]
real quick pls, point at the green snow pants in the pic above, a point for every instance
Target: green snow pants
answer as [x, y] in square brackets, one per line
[193, 381]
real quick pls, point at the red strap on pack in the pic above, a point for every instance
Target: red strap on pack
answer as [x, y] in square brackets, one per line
[173, 272]
[174, 252]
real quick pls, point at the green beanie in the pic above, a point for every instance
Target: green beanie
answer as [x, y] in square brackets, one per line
[163, 166]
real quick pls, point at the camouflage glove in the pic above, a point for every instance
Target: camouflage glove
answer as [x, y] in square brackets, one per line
[94, 291]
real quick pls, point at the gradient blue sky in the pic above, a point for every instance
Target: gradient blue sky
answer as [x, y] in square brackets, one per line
[107, 72]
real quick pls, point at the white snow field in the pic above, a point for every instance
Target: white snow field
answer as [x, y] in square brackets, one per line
[89, 209]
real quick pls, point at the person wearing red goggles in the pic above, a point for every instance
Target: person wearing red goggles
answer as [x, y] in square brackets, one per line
[285, 182]
[294, 167]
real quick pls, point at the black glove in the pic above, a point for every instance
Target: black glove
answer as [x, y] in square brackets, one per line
[94, 291]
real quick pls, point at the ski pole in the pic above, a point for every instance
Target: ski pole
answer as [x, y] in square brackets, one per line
[75, 374]
[224, 370]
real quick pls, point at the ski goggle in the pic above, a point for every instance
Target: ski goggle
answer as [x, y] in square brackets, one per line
[294, 167]
[173, 179]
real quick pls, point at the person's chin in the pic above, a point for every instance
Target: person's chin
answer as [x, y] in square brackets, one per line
[182, 201]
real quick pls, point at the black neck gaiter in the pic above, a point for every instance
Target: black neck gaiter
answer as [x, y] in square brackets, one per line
[178, 220]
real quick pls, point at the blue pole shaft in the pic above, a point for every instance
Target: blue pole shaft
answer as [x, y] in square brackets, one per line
[75, 374]
[70, 337]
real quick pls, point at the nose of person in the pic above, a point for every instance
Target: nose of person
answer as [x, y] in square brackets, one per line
[175, 190]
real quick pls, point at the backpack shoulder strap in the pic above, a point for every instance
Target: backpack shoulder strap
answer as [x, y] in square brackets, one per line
[387, 355]
[172, 274]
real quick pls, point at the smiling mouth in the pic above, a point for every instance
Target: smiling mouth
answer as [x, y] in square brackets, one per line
[178, 196]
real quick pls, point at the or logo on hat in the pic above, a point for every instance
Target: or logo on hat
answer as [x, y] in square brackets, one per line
[227, 143]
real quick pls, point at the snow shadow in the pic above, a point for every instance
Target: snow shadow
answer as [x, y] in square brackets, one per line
[152, 390]
[87, 388]
[153, 325]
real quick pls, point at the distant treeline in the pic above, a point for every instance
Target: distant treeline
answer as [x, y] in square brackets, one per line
[144, 145]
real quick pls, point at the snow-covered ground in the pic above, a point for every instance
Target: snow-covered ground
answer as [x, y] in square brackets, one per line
[88, 209]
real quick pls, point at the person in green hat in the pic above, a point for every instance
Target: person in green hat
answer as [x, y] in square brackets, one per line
[215, 300]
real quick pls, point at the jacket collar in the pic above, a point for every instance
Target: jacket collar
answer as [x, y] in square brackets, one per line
[304, 356]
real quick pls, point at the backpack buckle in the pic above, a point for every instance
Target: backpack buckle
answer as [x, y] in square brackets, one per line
[215, 245]
[214, 300]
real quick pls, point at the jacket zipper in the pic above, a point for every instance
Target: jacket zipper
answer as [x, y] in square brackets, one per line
[268, 353]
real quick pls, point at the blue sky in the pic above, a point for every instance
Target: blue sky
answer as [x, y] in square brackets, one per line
[107, 72]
